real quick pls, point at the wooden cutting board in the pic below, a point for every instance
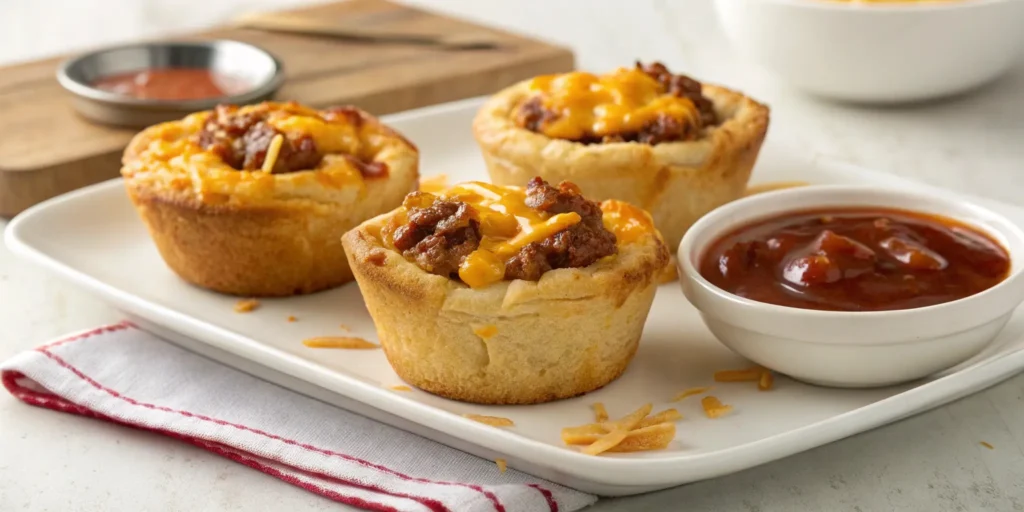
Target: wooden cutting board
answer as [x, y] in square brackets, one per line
[47, 149]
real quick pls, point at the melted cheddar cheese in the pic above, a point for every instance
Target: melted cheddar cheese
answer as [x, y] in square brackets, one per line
[627, 222]
[174, 157]
[329, 136]
[507, 225]
[587, 105]
[481, 268]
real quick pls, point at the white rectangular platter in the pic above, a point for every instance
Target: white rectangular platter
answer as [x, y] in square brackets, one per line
[93, 238]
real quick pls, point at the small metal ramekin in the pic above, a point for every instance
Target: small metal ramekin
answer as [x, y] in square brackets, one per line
[238, 60]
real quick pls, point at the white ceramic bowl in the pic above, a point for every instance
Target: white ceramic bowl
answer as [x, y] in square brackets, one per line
[851, 349]
[878, 52]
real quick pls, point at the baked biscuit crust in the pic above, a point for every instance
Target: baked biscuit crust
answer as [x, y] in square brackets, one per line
[677, 182]
[511, 342]
[251, 233]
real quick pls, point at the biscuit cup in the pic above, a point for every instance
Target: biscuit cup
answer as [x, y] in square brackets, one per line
[511, 342]
[257, 233]
[677, 182]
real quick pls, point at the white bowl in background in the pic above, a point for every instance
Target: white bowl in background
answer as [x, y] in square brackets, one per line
[878, 53]
[851, 349]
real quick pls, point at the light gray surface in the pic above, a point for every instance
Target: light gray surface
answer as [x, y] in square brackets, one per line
[933, 462]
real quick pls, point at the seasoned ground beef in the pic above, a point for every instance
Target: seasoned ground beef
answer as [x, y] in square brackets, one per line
[242, 141]
[348, 113]
[372, 169]
[294, 155]
[578, 246]
[438, 237]
[664, 128]
[532, 115]
[682, 86]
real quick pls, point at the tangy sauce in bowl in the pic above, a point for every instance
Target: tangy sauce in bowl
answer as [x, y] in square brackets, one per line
[172, 84]
[855, 260]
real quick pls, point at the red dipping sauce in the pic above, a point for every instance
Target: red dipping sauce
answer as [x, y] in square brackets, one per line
[172, 84]
[856, 260]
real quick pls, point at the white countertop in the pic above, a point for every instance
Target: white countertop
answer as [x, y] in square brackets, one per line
[933, 462]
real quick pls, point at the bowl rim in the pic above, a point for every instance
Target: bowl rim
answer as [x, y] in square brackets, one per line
[887, 7]
[87, 91]
[689, 269]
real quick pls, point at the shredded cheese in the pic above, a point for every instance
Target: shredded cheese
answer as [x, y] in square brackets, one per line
[507, 225]
[653, 437]
[486, 332]
[588, 105]
[246, 305]
[690, 392]
[329, 137]
[626, 221]
[494, 421]
[481, 268]
[272, 152]
[713, 408]
[606, 442]
[746, 375]
[535, 232]
[666, 416]
[619, 430]
[634, 432]
[339, 342]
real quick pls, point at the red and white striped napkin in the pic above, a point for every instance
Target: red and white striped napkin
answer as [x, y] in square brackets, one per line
[124, 375]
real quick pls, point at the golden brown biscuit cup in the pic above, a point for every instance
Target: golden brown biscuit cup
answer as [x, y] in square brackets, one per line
[677, 182]
[512, 342]
[253, 233]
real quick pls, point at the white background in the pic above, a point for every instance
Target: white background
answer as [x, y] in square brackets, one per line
[933, 462]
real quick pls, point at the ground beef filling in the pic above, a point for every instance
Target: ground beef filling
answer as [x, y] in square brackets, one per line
[578, 246]
[242, 141]
[683, 87]
[533, 115]
[440, 236]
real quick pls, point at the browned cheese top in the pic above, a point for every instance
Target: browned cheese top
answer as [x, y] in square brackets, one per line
[646, 104]
[481, 233]
[244, 138]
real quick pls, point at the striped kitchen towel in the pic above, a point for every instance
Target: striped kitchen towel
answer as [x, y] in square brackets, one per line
[124, 375]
